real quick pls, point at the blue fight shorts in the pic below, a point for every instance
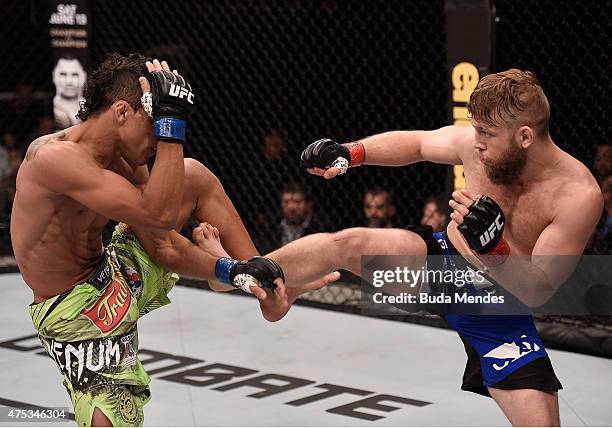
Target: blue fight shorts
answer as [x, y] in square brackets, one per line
[504, 351]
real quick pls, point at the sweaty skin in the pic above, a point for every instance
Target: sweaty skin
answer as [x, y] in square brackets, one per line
[72, 182]
[65, 187]
[57, 238]
[551, 209]
[537, 207]
[540, 207]
[67, 244]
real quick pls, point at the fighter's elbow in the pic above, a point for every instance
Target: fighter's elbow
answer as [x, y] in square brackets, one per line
[168, 224]
[167, 257]
[272, 317]
[162, 218]
[538, 297]
[166, 221]
[534, 302]
[216, 286]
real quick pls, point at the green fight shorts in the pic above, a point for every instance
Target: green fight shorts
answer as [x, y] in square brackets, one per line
[91, 331]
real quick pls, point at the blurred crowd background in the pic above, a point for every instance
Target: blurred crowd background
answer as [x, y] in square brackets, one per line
[276, 75]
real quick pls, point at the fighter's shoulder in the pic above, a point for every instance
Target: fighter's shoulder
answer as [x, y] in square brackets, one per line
[577, 186]
[194, 169]
[464, 134]
[52, 145]
[50, 156]
[461, 132]
[451, 135]
[460, 136]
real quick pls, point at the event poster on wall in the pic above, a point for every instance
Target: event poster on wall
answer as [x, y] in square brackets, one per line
[69, 31]
[470, 45]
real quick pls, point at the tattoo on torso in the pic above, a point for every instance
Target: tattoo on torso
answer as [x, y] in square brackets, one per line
[41, 141]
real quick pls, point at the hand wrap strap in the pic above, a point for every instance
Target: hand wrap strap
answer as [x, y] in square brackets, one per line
[483, 229]
[257, 271]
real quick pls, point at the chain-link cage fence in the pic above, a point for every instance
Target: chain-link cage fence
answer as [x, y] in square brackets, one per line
[299, 71]
[295, 72]
[27, 61]
[276, 75]
[567, 45]
[25, 92]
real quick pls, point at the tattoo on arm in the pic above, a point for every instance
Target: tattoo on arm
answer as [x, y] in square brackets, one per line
[41, 141]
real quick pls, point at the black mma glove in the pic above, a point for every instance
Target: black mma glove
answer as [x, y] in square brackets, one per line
[326, 153]
[169, 104]
[241, 274]
[483, 227]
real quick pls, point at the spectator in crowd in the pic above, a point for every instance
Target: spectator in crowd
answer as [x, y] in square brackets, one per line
[23, 114]
[436, 212]
[8, 141]
[271, 164]
[274, 146]
[46, 126]
[68, 77]
[601, 241]
[8, 184]
[298, 219]
[603, 161]
[378, 208]
[275, 166]
[298, 213]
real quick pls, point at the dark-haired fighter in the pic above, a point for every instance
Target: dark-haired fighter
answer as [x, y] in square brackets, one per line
[551, 204]
[87, 299]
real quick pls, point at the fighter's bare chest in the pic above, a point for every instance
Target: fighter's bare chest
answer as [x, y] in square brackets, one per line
[83, 218]
[80, 217]
[528, 209]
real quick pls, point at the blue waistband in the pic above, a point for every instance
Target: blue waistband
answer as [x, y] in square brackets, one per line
[449, 263]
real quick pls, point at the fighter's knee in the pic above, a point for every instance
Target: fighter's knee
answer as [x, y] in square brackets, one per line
[544, 420]
[402, 242]
[198, 178]
[551, 417]
[192, 165]
[99, 419]
[417, 245]
[349, 240]
[196, 169]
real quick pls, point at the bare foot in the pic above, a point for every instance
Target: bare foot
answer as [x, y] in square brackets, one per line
[206, 237]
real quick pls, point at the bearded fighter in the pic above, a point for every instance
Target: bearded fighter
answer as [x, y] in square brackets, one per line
[524, 196]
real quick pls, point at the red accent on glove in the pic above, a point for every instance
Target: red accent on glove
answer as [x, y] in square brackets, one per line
[357, 153]
[497, 255]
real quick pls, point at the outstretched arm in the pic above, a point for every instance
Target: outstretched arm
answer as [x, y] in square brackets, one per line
[398, 148]
[395, 148]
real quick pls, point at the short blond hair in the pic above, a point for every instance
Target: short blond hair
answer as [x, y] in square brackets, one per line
[513, 96]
